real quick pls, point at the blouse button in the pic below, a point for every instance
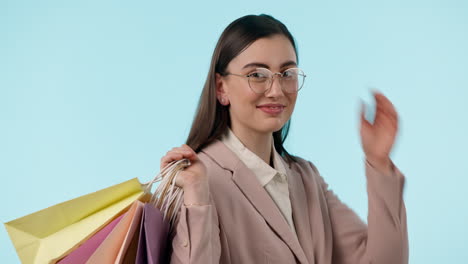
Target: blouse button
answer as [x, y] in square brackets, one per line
[185, 243]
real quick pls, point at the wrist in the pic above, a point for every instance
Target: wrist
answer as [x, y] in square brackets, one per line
[381, 164]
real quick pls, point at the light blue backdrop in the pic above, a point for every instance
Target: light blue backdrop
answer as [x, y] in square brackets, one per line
[93, 93]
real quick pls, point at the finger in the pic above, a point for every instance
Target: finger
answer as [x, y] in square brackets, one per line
[387, 111]
[364, 123]
[170, 157]
[383, 118]
[379, 96]
[386, 121]
[178, 153]
[384, 103]
[385, 114]
[183, 150]
[190, 150]
[382, 113]
[191, 155]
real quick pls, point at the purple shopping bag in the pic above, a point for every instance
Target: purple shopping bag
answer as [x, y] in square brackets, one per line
[153, 241]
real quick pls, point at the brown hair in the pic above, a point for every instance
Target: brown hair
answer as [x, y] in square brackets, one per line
[212, 119]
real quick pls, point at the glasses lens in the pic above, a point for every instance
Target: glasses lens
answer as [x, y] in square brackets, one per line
[259, 80]
[292, 80]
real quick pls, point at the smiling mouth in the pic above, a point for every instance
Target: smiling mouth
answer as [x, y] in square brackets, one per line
[271, 109]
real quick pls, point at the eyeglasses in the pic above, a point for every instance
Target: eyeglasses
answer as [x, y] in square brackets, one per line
[261, 80]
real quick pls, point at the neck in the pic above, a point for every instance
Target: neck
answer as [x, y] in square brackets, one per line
[257, 142]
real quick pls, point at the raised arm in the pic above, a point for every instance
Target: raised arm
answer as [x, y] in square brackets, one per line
[195, 236]
[384, 239]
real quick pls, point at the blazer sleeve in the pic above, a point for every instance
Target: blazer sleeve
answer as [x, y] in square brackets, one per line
[384, 239]
[195, 238]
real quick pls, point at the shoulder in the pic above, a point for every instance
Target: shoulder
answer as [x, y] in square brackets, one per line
[302, 165]
[209, 161]
[309, 172]
[215, 169]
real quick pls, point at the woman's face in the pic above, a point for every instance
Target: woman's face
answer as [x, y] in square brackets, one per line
[246, 108]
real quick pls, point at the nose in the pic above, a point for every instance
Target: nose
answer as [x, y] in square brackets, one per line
[275, 89]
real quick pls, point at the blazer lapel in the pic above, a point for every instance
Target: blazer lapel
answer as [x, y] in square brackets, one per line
[244, 178]
[300, 211]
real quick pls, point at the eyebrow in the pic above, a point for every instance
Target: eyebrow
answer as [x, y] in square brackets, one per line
[263, 65]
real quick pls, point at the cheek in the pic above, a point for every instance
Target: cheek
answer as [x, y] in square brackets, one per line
[246, 106]
[243, 101]
[292, 102]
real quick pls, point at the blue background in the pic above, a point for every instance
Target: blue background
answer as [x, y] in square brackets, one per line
[93, 93]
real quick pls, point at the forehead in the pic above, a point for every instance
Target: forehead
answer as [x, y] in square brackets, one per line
[272, 51]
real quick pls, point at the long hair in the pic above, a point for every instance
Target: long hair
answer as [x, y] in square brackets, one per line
[212, 118]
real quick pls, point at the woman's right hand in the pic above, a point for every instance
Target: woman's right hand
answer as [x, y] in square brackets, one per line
[192, 179]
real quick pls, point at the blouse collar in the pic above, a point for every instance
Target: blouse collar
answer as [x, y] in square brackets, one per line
[263, 171]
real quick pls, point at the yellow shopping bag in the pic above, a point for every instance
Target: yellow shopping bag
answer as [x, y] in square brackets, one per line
[48, 235]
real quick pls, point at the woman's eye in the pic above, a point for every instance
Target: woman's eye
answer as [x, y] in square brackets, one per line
[289, 74]
[257, 75]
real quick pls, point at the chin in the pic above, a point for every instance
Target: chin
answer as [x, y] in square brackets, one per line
[271, 127]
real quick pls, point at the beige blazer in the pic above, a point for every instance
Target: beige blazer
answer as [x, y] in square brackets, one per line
[244, 225]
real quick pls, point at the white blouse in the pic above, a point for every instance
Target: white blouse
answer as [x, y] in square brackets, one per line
[274, 180]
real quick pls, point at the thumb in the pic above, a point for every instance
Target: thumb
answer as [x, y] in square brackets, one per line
[364, 123]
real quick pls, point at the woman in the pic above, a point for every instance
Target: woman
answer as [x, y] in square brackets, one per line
[246, 199]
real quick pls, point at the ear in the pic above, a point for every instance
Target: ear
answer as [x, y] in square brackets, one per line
[221, 91]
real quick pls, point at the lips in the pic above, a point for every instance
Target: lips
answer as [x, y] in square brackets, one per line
[272, 108]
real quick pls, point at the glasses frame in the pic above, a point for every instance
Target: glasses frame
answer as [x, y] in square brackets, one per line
[273, 74]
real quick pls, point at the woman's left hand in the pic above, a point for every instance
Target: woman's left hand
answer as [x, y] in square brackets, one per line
[377, 139]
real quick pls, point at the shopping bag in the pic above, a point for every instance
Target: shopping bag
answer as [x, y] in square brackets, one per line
[114, 247]
[50, 234]
[167, 196]
[84, 252]
[131, 252]
[154, 230]
[159, 215]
